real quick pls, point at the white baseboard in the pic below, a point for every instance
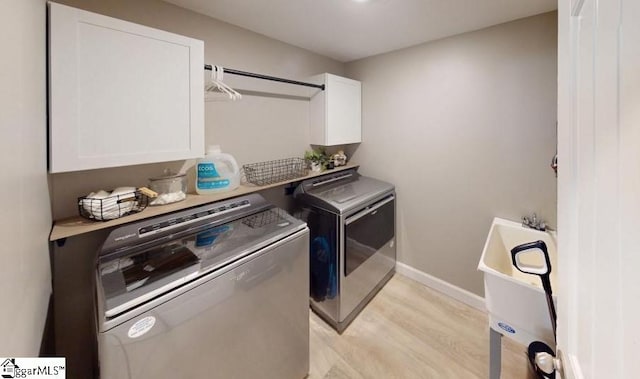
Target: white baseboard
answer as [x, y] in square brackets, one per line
[462, 295]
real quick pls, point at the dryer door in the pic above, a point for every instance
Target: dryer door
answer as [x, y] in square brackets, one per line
[368, 252]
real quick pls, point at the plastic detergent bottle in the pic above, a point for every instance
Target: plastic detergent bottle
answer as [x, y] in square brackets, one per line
[216, 172]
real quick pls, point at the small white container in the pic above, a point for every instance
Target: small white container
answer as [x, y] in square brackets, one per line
[516, 301]
[216, 172]
[170, 187]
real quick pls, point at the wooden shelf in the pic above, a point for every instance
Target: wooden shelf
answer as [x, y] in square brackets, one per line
[77, 225]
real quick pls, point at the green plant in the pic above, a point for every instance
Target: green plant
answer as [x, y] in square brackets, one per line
[317, 156]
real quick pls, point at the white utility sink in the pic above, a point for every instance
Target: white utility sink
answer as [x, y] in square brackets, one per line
[516, 302]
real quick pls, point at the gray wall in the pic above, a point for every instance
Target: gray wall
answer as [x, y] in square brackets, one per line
[25, 220]
[269, 123]
[465, 128]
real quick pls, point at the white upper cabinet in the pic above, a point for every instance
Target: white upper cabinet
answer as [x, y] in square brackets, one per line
[121, 93]
[336, 112]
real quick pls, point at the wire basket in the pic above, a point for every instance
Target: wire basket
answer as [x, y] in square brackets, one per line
[264, 173]
[112, 207]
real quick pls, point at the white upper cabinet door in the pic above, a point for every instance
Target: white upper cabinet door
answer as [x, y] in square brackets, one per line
[121, 93]
[336, 112]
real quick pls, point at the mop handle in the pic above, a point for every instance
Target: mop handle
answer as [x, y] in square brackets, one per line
[546, 284]
[543, 272]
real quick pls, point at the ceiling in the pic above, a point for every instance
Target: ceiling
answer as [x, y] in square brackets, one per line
[347, 30]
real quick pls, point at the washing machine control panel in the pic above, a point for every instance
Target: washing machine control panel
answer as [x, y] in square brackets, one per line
[129, 236]
[193, 217]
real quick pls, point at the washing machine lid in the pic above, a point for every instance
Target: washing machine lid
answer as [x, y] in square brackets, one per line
[342, 191]
[126, 281]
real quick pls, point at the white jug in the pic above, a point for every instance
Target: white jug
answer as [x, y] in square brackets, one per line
[216, 172]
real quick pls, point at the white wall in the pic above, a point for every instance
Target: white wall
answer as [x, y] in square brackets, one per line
[25, 219]
[465, 129]
[255, 129]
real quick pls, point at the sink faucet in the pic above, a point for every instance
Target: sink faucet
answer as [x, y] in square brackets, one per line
[534, 223]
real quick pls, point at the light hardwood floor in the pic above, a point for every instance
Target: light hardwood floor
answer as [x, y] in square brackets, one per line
[410, 331]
